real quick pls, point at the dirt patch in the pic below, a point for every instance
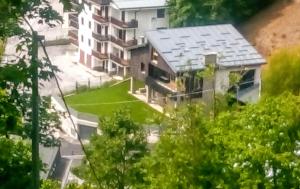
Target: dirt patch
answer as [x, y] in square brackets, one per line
[276, 27]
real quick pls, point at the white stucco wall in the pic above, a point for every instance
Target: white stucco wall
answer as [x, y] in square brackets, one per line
[222, 77]
[85, 31]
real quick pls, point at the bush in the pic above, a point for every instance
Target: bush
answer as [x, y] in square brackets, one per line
[283, 72]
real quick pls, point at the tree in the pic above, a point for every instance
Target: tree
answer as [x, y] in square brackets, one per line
[15, 164]
[201, 12]
[282, 72]
[256, 146]
[115, 153]
[185, 157]
[16, 75]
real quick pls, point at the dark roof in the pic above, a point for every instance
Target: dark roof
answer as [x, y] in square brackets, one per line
[177, 46]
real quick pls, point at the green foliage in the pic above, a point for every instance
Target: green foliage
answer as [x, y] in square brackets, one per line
[185, 157]
[282, 73]
[254, 147]
[200, 12]
[15, 164]
[50, 184]
[115, 153]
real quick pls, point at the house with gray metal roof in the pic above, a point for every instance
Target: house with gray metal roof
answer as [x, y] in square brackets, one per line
[174, 58]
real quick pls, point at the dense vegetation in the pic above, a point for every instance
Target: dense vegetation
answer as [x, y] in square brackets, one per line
[199, 12]
[283, 72]
[253, 146]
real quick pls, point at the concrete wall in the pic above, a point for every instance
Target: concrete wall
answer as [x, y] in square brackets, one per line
[80, 119]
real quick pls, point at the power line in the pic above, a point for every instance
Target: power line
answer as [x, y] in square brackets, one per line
[69, 113]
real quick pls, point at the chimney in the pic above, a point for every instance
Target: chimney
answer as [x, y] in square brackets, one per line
[210, 58]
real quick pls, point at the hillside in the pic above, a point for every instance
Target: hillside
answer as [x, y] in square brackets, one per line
[276, 27]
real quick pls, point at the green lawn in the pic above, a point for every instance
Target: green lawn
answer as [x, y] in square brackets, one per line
[96, 101]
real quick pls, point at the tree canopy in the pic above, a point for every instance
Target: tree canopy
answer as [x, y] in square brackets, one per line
[256, 146]
[200, 12]
[115, 153]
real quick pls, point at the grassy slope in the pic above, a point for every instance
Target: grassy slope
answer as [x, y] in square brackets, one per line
[140, 111]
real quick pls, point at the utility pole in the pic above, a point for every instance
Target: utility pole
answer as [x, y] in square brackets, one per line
[35, 113]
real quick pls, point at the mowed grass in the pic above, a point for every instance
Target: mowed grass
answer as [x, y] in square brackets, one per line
[104, 101]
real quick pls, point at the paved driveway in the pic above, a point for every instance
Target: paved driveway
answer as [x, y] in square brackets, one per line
[65, 58]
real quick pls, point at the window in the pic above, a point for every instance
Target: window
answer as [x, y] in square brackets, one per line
[90, 24]
[89, 41]
[98, 47]
[90, 6]
[123, 16]
[82, 38]
[142, 67]
[247, 79]
[82, 21]
[160, 13]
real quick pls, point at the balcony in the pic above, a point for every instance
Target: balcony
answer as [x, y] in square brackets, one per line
[99, 55]
[101, 2]
[73, 34]
[74, 41]
[100, 37]
[132, 24]
[161, 87]
[119, 60]
[122, 43]
[73, 17]
[100, 19]
[73, 20]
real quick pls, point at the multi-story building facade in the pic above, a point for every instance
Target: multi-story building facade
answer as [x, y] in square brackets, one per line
[106, 31]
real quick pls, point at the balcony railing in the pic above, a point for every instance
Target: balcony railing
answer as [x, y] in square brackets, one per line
[73, 17]
[100, 19]
[101, 2]
[74, 24]
[73, 34]
[119, 60]
[99, 55]
[100, 37]
[74, 41]
[132, 24]
[164, 88]
[122, 43]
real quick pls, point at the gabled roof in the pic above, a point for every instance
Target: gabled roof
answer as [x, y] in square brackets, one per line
[138, 4]
[178, 46]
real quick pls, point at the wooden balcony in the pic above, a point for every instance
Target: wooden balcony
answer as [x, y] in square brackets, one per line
[100, 19]
[132, 24]
[99, 55]
[74, 24]
[73, 20]
[119, 60]
[73, 17]
[122, 43]
[101, 37]
[161, 87]
[73, 34]
[101, 2]
[74, 41]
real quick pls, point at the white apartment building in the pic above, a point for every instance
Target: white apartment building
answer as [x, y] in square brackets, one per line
[106, 31]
